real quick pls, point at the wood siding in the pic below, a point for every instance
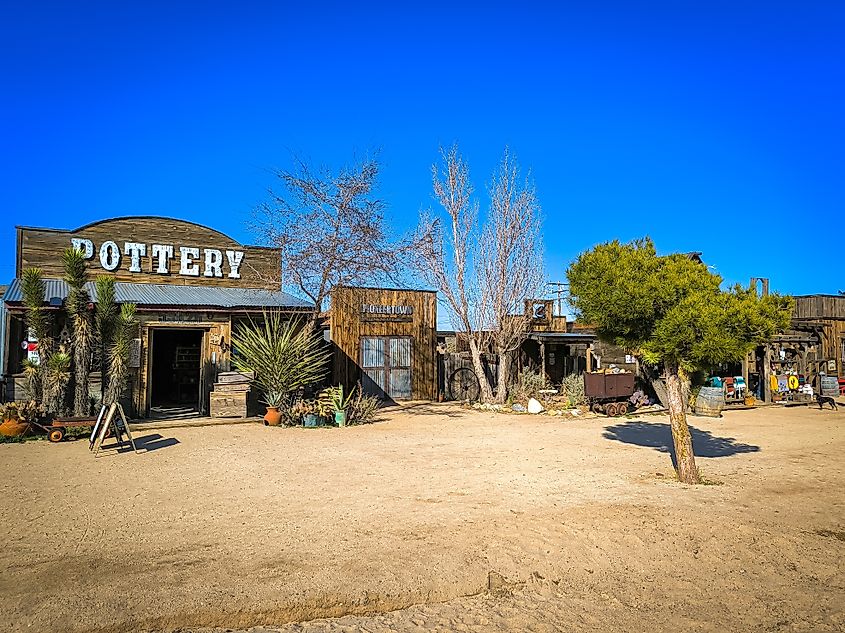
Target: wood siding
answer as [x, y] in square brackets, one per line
[827, 311]
[42, 248]
[349, 323]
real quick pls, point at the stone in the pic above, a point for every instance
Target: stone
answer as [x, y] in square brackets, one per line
[518, 408]
[534, 406]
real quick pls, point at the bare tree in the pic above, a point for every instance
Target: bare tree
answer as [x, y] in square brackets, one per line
[484, 274]
[447, 255]
[510, 263]
[330, 228]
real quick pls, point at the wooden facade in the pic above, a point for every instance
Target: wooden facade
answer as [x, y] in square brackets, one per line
[366, 313]
[825, 313]
[256, 266]
[165, 252]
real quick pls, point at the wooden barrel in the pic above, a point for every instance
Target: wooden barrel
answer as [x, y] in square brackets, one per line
[710, 402]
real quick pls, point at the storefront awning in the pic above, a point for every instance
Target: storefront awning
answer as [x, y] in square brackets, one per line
[56, 291]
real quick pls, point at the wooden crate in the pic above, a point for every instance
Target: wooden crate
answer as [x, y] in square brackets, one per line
[235, 377]
[224, 387]
[228, 405]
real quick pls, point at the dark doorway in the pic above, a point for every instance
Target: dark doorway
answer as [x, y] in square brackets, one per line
[175, 370]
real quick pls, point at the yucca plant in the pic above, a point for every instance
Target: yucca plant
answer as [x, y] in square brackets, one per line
[105, 317]
[39, 322]
[58, 377]
[118, 354]
[82, 326]
[31, 379]
[284, 355]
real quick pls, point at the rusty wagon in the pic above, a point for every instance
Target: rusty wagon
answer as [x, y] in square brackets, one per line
[608, 393]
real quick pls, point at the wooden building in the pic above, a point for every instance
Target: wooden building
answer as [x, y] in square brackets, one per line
[812, 347]
[190, 284]
[385, 339]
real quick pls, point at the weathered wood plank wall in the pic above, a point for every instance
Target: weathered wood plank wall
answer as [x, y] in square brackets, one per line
[42, 248]
[349, 323]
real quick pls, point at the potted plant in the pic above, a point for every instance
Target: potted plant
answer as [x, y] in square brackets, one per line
[274, 400]
[286, 355]
[17, 416]
[309, 411]
[335, 404]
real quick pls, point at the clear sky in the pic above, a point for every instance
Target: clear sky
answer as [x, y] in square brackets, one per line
[711, 126]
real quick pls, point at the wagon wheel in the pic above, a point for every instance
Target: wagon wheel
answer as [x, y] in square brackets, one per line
[596, 407]
[56, 435]
[464, 385]
[612, 409]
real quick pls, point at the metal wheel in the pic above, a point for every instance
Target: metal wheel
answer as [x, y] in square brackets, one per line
[612, 409]
[464, 385]
[56, 435]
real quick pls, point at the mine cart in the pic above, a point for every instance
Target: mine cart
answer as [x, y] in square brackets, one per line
[608, 393]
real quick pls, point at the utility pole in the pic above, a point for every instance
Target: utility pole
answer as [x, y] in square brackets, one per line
[560, 289]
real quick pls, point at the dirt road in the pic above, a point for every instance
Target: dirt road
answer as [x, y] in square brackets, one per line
[574, 525]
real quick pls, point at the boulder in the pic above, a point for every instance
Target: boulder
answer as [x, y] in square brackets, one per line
[534, 406]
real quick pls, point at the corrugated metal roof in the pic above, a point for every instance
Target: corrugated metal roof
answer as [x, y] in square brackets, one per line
[171, 295]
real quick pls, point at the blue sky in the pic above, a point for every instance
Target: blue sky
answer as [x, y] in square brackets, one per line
[711, 126]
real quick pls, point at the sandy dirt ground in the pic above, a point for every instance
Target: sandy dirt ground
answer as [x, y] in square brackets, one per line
[435, 519]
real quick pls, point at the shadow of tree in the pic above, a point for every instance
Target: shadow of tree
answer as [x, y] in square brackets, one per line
[659, 436]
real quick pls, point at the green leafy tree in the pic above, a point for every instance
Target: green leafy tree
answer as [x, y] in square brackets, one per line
[82, 326]
[284, 355]
[671, 309]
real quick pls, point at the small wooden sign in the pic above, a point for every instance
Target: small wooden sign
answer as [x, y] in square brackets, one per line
[135, 353]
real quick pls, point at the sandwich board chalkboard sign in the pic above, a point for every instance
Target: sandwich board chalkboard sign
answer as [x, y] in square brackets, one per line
[110, 421]
[96, 428]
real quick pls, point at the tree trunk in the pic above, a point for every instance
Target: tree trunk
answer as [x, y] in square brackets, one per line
[486, 393]
[684, 456]
[504, 378]
[82, 367]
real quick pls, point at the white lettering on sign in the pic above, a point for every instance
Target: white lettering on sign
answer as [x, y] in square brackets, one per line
[109, 255]
[190, 258]
[213, 263]
[86, 247]
[162, 252]
[187, 265]
[135, 252]
[371, 308]
[235, 258]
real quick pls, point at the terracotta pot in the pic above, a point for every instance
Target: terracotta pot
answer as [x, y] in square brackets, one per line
[273, 417]
[13, 428]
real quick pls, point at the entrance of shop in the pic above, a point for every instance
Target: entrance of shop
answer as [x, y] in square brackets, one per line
[175, 371]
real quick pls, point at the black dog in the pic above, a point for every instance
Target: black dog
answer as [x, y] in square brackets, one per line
[823, 400]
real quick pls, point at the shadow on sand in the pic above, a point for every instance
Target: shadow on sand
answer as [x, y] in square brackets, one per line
[659, 436]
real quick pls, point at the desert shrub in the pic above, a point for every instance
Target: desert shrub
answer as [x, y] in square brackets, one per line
[573, 388]
[530, 383]
[362, 409]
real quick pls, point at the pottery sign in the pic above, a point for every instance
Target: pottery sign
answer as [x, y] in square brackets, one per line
[163, 259]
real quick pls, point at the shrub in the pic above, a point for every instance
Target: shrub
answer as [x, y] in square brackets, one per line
[362, 409]
[530, 383]
[573, 388]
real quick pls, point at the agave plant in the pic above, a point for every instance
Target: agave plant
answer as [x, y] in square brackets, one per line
[118, 354]
[284, 355]
[82, 336]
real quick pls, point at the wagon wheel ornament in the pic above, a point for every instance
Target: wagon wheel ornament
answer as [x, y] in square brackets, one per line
[464, 385]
